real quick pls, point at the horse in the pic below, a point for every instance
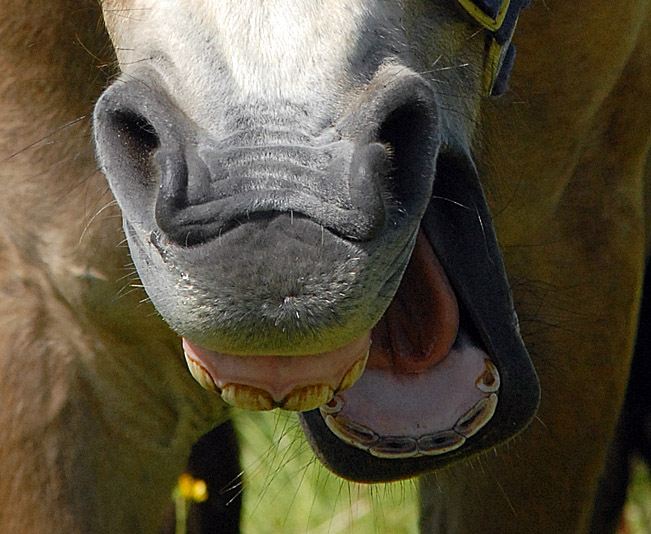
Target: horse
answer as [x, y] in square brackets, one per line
[368, 212]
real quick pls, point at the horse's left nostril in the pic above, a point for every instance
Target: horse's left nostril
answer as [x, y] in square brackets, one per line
[407, 134]
[399, 111]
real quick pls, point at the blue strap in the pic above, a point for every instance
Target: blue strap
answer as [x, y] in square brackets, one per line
[499, 18]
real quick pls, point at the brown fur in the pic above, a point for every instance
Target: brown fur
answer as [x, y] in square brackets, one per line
[564, 161]
[565, 175]
[68, 343]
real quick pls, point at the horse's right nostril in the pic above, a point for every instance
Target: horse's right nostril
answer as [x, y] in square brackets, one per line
[137, 136]
[129, 121]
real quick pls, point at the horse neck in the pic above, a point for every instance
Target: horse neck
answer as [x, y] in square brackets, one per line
[52, 56]
[52, 73]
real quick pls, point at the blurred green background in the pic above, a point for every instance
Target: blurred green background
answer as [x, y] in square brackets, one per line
[287, 491]
[637, 513]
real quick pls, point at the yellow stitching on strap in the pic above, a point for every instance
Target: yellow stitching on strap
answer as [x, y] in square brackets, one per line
[483, 19]
[493, 64]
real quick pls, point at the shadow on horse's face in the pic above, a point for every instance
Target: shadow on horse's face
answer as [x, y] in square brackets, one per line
[302, 205]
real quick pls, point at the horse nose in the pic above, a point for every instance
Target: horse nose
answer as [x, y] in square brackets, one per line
[216, 185]
[400, 110]
[377, 154]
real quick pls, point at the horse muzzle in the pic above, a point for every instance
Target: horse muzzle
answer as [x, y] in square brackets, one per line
[292, 249]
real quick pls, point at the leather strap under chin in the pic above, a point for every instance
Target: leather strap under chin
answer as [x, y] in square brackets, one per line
[499, 18]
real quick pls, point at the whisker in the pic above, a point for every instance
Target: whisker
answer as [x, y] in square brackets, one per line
[44, 138]
[93, 218]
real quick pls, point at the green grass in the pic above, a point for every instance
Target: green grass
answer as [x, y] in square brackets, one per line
[637, 512]
[287, 491]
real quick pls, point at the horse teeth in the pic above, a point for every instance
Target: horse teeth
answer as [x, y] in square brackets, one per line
[395, 447]
[247, 397]
[474, 419]
[433, 444]
[351, 433]
[305, 398]
[333, 406]
[201, 375]
[440, 442]
[353, 373]
[489, 381]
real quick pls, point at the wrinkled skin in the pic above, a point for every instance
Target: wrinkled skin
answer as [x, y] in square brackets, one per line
[98, 410]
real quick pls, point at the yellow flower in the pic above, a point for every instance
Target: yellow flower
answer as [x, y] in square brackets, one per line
[192, 489]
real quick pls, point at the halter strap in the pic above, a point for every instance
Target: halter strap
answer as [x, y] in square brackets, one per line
[499, 18]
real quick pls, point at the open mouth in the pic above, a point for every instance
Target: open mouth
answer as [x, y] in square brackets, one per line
[427, 387]
[415, 385]
[443, 375]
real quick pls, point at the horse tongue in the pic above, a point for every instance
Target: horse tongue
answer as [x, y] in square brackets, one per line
[421, 324]
[426, 388]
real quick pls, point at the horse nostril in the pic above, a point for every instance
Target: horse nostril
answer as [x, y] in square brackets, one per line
[136, 138]
[398, 109]
[139, 136]
[403, 128]
[407, 134]
[129, 121]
